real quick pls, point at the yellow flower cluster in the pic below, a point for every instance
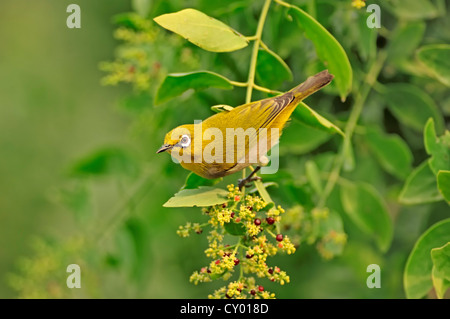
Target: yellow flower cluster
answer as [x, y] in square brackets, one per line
[275, 213]
[184, 231]
[242, 289]
[286, 245]
[332, 244]
[358, 4]
[251, 219]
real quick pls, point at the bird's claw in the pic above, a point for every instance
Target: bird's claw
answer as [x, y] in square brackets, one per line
[242, 182]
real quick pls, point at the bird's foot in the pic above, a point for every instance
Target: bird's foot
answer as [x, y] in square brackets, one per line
[243, 182]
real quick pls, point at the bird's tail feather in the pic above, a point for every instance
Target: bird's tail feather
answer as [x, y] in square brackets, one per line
[312, 84]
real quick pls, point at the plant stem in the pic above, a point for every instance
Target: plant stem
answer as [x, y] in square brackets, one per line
[251, 83]
[360, 99]
[256, 44]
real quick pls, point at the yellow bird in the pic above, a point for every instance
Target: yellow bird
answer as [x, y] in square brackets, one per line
[228, 142]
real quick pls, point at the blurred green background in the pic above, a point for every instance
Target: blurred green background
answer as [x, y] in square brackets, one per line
[79, 180]
[52, 110]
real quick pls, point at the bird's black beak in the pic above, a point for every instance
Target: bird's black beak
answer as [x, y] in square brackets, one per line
[164, 148]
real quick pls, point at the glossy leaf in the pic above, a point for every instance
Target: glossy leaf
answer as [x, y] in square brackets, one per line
[391, 151]
[235, 229]
[313, 175]
[415, 9]
[202, 30]
[437, 147]
[405, 40]
[308, 116]
[420, 187]
[299, 138]
[328, 49]
[417, 278]
[271, 70]
[435, 58]
[443, 180]
[201, 197]
[365, 206]
[412, 106]
[366, 37]
[176, 84]
[441, 269]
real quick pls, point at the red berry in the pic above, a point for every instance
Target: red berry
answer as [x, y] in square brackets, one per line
[270, 220]
[236, 262]
[248, 256]
[237, 198]
[224, 205]
[253, 292]
[279, 237]
[232, 215]
[217, 261]
[261, 288]
[270, 271]
[238, 219]
[257, 221]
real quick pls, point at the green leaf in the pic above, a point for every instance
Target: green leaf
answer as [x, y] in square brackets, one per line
[194, 181]
[235, 229]
[299, 138]
[328, 49]
[405, 40]
[437, 147]
[435, 58]
[367, 37]
[313, 175]
[441, 269]
[271, 70]
[129, 20]
[415, 9]
[443, 180]
[308, 116]
[439, 282]
[221, 108]
[104, 162]
[417, 277]
[391, 151]
[201, 197]
[412, 106]
[202, 30]
[176, 84]
[365, 206]
[420, 187]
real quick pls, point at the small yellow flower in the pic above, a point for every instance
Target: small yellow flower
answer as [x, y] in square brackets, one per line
[358, 4]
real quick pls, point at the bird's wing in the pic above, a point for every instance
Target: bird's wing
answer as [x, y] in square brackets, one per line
[248, 119]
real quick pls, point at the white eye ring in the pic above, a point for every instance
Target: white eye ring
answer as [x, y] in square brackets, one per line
[185, 141]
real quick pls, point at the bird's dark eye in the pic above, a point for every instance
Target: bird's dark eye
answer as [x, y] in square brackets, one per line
[185, 141]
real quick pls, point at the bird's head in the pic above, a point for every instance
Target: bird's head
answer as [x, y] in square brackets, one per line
[180, 138]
